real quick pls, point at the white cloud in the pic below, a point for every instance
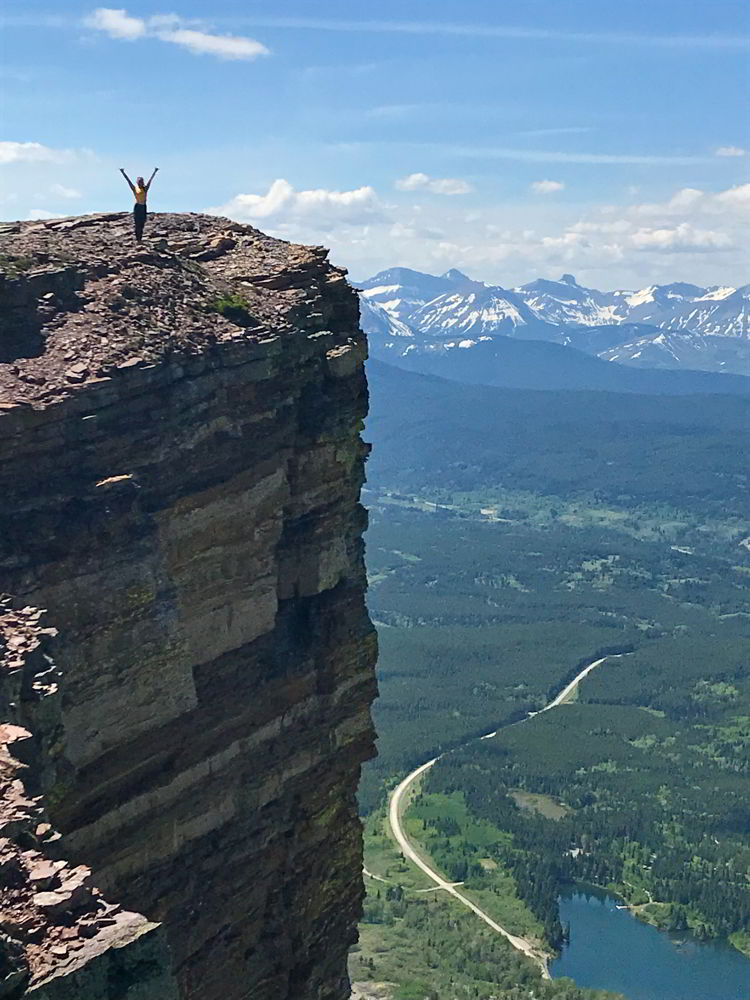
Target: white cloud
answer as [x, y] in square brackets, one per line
[450, 185]
[117, 23]
[413, 182]
[731, 151]
[436, 185]
[681, 237]
[690, 221]
[547, 187]
[568, 239]
[32, 152]
[223, 46]
[737, 197]
[283, 204]
[686, 198]
[629, 245]
[706, 229]
[695, 201]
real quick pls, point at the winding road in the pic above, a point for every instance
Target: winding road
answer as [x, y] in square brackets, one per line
[398, 805]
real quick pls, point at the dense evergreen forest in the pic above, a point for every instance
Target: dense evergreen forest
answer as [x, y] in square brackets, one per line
[689, 451]
[514, 537]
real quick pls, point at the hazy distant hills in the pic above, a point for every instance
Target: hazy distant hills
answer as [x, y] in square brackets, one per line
[441, 432]
[677, 326]
[538, 364]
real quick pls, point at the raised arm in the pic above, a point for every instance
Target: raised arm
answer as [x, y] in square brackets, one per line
[156, 171]
[130, 183]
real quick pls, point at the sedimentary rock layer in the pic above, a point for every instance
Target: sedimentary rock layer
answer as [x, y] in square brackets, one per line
[180, 467]
[59, 938]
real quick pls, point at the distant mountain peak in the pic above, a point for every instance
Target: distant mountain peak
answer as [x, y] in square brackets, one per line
[672, 325]
[457, 277]
[399, 275]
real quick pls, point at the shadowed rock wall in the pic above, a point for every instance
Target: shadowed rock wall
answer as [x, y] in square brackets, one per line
[180, 468]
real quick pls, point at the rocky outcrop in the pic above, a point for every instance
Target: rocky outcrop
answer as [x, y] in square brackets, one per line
[180, 467]
[59, 938]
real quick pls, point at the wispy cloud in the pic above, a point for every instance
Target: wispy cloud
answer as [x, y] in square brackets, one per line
[61, 191]
[119, 24]
[475, 30]
[562, 130]
[436, 185]
[731, 151]
[533, 155]
[562, 156]
[498, 31]
[223, 46]
[547, 187]
[444, 109]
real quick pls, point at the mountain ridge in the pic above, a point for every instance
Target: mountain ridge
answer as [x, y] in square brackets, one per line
[673, 326]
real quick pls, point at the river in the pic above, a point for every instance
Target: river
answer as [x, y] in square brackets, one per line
[610, 949]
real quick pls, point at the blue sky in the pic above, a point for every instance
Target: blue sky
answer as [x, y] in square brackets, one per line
[508, 139]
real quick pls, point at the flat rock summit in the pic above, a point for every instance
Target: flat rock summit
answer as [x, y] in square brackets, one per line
[186, 659]
[80, 298]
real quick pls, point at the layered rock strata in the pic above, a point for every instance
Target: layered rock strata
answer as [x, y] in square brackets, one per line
[180, 468]
[59, 938]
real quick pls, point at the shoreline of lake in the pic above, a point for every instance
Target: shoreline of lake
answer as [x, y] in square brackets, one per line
[611, 949]
[636, 910]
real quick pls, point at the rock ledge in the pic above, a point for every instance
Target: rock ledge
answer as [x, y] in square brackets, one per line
[180, 470]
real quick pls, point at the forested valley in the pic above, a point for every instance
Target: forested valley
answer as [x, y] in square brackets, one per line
[496, 571]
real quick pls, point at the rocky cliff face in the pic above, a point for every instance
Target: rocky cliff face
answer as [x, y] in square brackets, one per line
[180, 468]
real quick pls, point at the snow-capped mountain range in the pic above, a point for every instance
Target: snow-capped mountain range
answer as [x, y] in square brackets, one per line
[663, 326]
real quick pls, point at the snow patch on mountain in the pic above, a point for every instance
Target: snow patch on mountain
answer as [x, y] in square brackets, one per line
[640, 298]
[673, 325]
[376, 320]
[717, 294]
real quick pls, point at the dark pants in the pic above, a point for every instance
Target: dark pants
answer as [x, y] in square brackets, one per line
[139, 218]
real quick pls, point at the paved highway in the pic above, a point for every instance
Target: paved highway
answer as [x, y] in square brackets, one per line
[399, 801]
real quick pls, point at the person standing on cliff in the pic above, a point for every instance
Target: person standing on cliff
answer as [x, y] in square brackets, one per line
[140, 193]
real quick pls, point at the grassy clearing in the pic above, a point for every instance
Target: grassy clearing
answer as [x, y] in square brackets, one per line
[384, 860]
[452, 808]
[544, 805]
[429, 823]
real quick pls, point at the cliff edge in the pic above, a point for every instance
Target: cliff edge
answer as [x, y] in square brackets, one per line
[183, 726]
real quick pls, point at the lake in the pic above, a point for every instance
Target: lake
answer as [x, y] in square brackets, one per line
[611, 949]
